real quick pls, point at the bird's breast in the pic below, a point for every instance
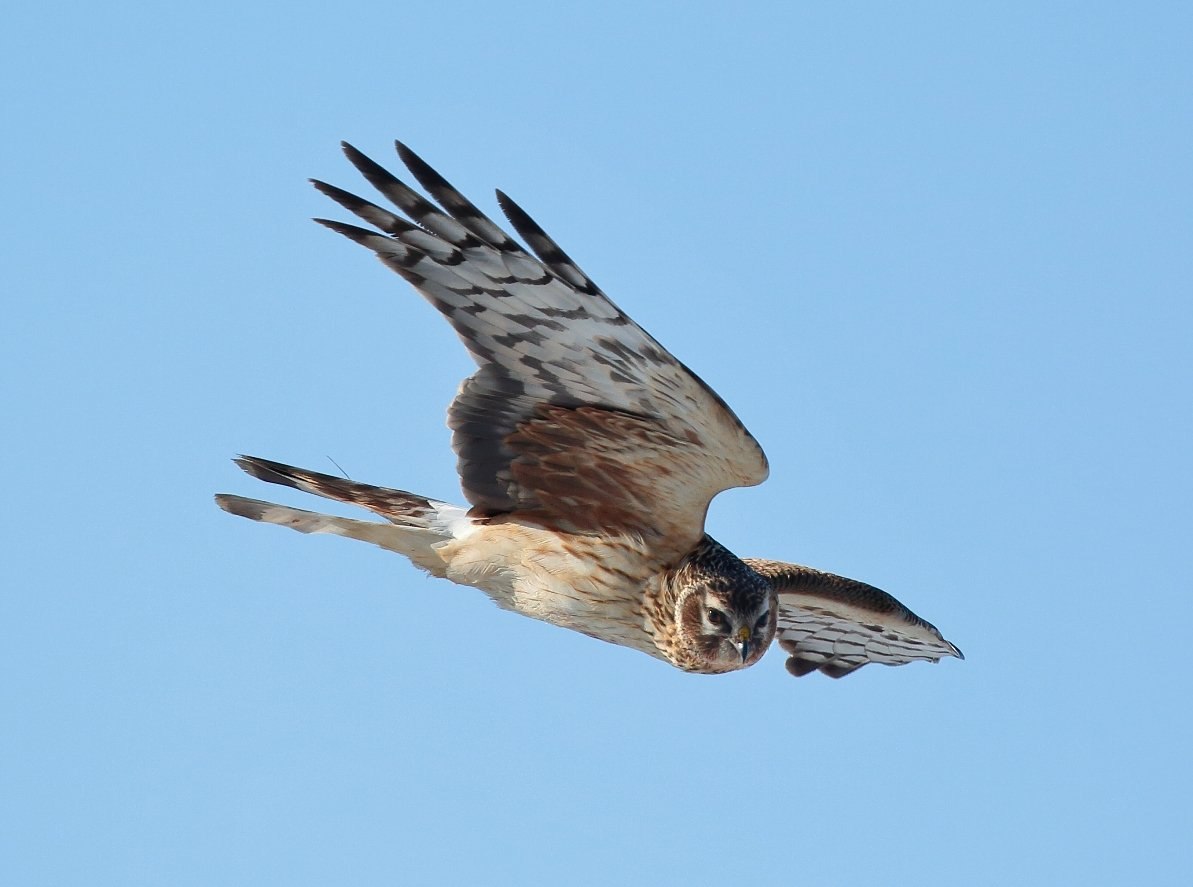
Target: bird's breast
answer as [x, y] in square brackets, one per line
[595, 584]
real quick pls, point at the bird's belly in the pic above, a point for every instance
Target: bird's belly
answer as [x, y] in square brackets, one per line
[592, 585]
[587, 597]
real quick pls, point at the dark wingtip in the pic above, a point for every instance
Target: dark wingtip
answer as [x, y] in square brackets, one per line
[422, 171]
[339, 195]
[346, 199]
[405, 152]
[352, 232]
[517, 216]
[373, 171]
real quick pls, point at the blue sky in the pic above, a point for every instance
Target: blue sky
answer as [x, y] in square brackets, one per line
[937, 258]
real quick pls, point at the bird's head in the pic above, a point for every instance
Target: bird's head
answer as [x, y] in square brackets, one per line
[725, 615]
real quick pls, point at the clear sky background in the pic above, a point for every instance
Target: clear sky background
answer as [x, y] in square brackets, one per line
[935, 255]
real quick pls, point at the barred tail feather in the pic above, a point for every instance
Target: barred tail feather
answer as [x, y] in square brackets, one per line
[418, 544]
[396, 506]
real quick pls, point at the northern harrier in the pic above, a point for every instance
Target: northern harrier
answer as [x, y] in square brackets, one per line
[588, 455]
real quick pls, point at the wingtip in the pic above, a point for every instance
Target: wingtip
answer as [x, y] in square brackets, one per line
[356, 205]
[355, 156]
[510, 209]
[422, 171]
[952, 649]
[516, 215]
[352, 232]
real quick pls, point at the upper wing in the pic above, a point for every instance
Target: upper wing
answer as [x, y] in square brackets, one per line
[575, 412]
[837, 625]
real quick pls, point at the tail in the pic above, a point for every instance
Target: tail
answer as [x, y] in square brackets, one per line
[396, 506]
[416, 526]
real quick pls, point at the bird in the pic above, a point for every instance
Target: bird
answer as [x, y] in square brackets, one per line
[588, 455]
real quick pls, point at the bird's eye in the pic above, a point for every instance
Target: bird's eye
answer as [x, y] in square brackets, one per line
[716, 618]
[762, 620]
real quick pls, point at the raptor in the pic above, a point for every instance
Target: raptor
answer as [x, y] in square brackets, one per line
[588, 456]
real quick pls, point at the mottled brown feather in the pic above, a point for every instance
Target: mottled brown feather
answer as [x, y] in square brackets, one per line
[595, 470]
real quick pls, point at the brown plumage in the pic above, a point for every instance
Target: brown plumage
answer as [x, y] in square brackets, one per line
[589, 456]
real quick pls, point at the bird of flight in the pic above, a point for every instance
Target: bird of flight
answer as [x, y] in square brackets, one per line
[588, 455]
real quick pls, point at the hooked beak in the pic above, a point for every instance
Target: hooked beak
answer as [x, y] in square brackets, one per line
[743, 643]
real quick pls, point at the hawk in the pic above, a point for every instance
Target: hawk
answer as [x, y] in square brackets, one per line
[588, 455]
